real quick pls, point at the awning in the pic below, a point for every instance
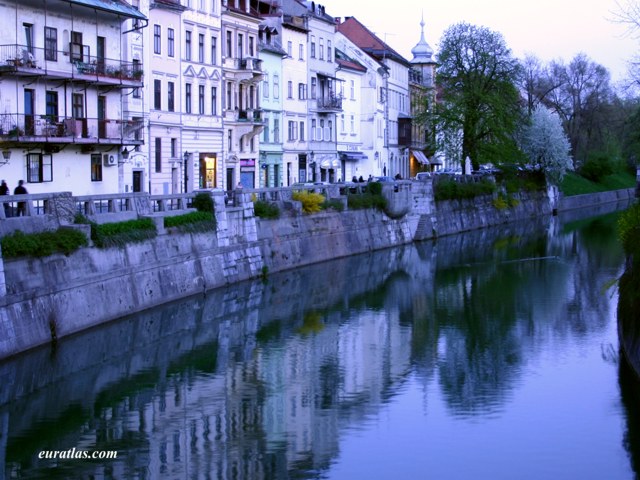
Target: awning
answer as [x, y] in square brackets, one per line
[420, 157]
[352, 156]
[330, 161]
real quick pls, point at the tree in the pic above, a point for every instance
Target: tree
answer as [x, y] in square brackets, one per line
[477, 78]
[546, 144]
[581, 99]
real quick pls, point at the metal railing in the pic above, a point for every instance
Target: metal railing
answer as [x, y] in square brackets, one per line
[74, 63]
[23, 127]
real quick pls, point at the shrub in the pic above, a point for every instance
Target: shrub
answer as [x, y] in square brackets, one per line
[119, 234]
[596, 168]
[374, 188]
[203, 202]
[629, 230]
[192, 222]
[63, 240]
[311, 202]
[366, 200]
[450, 189]
[333, 204]
[500, 202]
[264, 209]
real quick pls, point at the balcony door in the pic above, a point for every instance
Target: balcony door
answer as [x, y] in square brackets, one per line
[76, 47]
[102, 116]
[100, 54]
[29, 114]
[77, 109]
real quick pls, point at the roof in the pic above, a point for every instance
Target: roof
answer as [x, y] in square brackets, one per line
[118, 7]
[368, 41]
[344, 61]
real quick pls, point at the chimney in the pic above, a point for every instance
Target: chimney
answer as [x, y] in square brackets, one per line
[338, 20]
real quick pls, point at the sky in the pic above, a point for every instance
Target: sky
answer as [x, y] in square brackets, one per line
[549, 29]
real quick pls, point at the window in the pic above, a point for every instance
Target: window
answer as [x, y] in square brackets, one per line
[158, 154]
[229, 140]
[201, 48]
[289, 89]
[28, 36]
[229, 43]
[314, 83]
[276, 130]
[301, 51]
[353, 124]
[51, 107]
[302, 91]
[39, 168]
[313, 129]
[214, 100]
[313, 46]
[240, 51]
[76, 46]
[302, 131]
[77, 105]
[265, 86]
[187, 45]
[265, 138]
[353, 90]
[290, 48]
[96, 167]
[292, 131]
[187, 97]
[251, 46]
[330, 131]
[229, 105]
[171, 96]
[136, 68]
[321, 48]
[174, 148]
[157, 49]
[157, 94]
[214, 50]
[50, 43]
[329, 52]
[276, 86]
[201, 99]
[171, 41]
[342, 124]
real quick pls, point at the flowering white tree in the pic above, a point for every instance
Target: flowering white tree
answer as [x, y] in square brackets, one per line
[546, 144]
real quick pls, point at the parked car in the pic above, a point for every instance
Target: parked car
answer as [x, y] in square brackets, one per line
[423, 176]
[383, 179]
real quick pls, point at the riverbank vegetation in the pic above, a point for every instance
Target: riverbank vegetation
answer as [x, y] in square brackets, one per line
[43, 244]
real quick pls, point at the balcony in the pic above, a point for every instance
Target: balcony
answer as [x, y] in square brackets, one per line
[243, 69]
[21, 129]
[77, 65]
[329, 103]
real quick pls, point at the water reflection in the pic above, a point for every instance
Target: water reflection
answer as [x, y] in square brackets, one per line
[265, 380]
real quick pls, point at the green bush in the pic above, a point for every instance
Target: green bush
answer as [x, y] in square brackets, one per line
[43, 244]
[264, 209]
[449, 189]
[311, 201]
[118, 234]
[366, 200]
[629, 230]
[333, 204]
[596, 168]
[374, 188]
[192, 222]
[203, 202]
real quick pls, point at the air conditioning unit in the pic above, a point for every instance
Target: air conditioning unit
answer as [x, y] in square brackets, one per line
[109, 160]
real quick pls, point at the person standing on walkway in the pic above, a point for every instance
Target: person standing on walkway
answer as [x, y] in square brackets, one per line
[20, 190]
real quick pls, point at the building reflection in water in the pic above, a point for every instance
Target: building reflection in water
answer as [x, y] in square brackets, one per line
[259, 380]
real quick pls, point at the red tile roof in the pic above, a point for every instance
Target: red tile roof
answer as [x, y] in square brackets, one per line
[367, 40]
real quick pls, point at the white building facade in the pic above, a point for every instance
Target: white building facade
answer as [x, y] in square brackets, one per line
[68, 70]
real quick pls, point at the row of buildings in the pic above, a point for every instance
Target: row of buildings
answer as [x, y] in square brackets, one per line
[168, 96]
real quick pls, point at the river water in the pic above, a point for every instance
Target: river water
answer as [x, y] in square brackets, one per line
[488, 355]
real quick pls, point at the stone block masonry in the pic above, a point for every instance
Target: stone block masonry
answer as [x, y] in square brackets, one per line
[53, 297]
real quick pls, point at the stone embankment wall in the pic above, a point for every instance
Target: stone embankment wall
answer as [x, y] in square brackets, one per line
[60, 295]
